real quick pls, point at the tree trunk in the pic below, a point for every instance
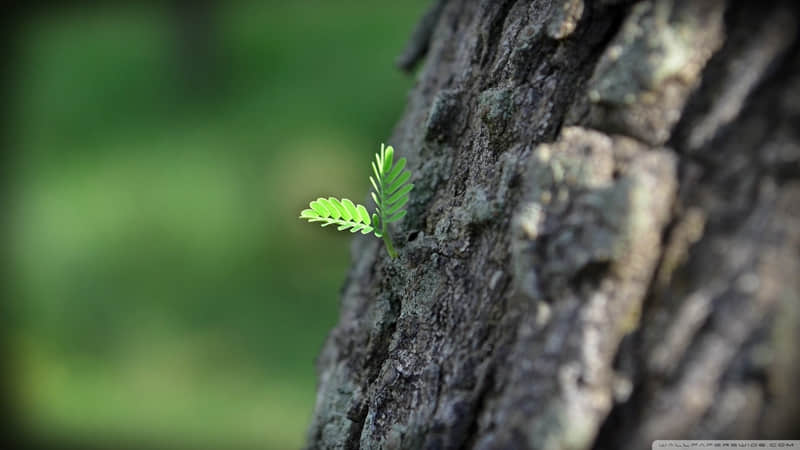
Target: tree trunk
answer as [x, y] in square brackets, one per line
[603, 244]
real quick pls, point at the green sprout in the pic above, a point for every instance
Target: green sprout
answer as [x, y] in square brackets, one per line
[390, 195]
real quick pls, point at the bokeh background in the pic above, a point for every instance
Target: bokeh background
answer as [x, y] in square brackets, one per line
[164, 289]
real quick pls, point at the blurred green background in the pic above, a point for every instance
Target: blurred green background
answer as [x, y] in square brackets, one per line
[165, 289]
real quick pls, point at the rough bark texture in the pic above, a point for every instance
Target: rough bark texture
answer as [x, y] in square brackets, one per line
[603, 244]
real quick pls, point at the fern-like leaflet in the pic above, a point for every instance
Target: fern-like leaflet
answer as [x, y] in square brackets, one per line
[332, 211]
[391, 189]
[390, 192]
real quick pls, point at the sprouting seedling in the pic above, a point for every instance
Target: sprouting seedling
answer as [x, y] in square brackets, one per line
[390, 195]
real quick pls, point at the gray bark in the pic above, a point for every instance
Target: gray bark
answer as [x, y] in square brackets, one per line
[603, 244]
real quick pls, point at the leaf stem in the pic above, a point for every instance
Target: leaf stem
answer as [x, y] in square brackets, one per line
[388, 241]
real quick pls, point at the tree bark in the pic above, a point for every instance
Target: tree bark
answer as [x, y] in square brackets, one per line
[603, 242]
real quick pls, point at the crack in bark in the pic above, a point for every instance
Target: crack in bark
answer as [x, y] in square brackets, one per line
[491, 39]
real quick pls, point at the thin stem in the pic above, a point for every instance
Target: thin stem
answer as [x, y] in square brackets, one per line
[387, 240]
[389, 248]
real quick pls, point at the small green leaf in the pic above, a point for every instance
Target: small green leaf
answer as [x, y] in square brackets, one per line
[308, 214]
[401, 164]
[363, 213]
[397, 206]
[397, 196]
[377, 172]
[388, 159]
[375, 198]
[396, 217]
[331, 209]
[396, 185]
[338, 205]
[374, 184]
[319, 208]
[351, 209]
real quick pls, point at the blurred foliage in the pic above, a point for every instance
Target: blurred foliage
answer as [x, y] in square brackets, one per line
[165, 288]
